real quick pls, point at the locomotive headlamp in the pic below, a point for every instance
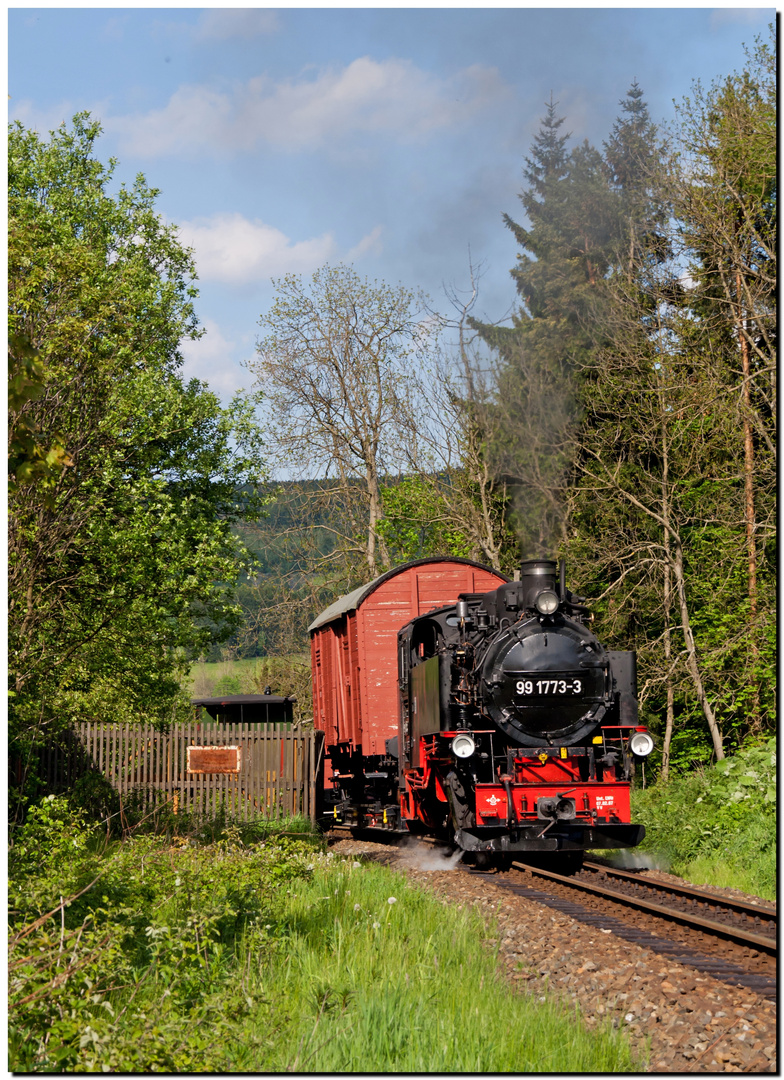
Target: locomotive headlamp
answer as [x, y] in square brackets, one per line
[546, 602]
[641, 743]
[463, 746]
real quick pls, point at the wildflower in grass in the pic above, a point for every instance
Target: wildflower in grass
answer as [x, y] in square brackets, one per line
[392, 900]
[356, 866]
[356, 907]
[376, 925]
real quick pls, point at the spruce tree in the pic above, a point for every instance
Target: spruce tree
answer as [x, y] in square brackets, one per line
[560, 277]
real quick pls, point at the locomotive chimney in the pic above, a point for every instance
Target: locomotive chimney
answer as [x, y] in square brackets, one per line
[536, 575]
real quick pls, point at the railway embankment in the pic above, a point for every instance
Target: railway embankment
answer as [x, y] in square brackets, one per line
[236, 950]
[681, 1019]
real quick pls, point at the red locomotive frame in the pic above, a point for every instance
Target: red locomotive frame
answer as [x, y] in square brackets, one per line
[512, 802]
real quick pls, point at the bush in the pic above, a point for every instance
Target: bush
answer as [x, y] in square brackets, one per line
[717, 824]
[129, 973]
[54, 832]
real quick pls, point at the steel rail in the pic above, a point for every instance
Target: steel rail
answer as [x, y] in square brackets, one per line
[758, 941]
[761, 910]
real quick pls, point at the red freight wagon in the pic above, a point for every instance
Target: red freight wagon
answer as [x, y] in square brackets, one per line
[354, 663]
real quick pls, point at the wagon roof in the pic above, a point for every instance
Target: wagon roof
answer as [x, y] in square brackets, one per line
[351, 601]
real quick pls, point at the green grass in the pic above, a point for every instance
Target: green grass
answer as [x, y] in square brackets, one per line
[378, 976]
[203, 677]
[717, 871]
[717, 826]
[220, 956]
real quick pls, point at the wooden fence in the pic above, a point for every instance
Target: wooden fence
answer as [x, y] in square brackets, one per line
[245, 770]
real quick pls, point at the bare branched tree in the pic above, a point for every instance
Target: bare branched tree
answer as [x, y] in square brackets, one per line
[335, 367]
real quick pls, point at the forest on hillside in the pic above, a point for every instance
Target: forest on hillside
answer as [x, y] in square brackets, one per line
[623, 418]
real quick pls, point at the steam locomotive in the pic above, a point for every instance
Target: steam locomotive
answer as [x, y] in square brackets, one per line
[490, 716]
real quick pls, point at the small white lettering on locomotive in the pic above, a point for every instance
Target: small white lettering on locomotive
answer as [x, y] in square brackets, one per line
[548, 686]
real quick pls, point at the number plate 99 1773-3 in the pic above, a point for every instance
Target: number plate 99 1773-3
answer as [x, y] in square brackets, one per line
[548, 686]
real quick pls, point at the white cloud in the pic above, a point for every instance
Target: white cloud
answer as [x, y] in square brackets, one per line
[748, 15]
[392, 97]
[115, 27]
[230, 248]
[49, 119]
[211, 359]
[368, 245]
[220, 24]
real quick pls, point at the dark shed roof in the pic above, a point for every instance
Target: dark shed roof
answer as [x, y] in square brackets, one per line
[253, 708]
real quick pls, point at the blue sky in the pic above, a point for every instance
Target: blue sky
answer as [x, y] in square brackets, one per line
[391, 138]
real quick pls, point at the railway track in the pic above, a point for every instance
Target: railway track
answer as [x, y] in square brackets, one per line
[730, 939]
[738, 920]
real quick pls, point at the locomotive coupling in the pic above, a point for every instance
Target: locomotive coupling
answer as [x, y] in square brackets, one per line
[556, 808]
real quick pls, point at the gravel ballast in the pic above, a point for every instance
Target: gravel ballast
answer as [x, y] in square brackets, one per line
[690, 1022]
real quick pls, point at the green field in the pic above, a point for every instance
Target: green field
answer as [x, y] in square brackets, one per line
[204, 677]
[285, 675]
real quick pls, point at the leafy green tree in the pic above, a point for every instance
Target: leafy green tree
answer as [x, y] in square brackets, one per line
[679, 431]
[726, 200]
[416, 522]
[640, 505]
[31, 459]
[124, 480]
[636, 159]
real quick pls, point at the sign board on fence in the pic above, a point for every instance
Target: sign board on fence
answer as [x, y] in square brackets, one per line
[214, 759]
